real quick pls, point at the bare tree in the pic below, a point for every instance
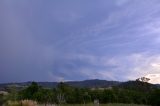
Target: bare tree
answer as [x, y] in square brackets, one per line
[61, 98]
[143, 79]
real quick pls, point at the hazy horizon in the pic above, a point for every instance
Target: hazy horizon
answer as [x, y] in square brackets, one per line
[77, 40]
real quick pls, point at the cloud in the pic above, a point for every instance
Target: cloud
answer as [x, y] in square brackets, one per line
[124, 67]
[121, 2]
[125, 28]
[141, 65]
[154, 78]
[54, 40]
[22, 55]
[155, 65]
[66, 16]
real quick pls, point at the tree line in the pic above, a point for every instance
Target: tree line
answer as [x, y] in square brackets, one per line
[64, 93]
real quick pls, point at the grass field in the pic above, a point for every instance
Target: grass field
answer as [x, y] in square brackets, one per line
[32, 103]
[97, 105]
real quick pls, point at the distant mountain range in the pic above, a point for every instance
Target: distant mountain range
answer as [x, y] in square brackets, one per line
[95, 83]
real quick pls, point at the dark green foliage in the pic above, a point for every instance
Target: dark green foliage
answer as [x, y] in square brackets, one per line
[155, 98]
[129, 92]
[108, 96]
[137, 86]
[30, 92]
[2, 99]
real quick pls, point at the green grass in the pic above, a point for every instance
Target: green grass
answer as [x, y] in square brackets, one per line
[99, 105]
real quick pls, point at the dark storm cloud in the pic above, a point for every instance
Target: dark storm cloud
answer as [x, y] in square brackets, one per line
[76, 40]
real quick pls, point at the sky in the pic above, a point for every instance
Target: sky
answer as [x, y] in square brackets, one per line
[66, 40]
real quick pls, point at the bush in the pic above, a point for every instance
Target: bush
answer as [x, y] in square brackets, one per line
[2, 99]
[155, 98]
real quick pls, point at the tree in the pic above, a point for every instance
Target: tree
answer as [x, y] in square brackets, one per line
[155, 98]
[86, 97]
[108, 96]
[2, 99]
[143, 79]
[13, 93]
[43, 96]
[61, 89]
[30, 91]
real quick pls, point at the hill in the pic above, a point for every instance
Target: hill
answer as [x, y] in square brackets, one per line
[137, 86]
[94, 83]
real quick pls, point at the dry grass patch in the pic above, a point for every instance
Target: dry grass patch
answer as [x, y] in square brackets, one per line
[21, 103]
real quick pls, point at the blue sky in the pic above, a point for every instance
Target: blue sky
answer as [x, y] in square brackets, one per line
[61, 40]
